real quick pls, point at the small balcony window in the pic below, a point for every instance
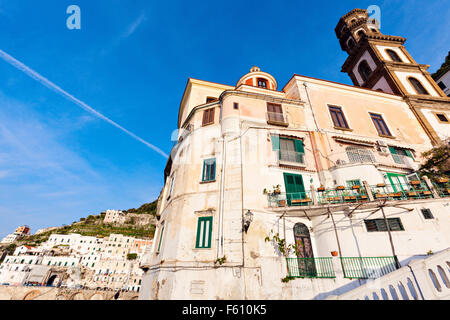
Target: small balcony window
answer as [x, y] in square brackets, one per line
[275, 115]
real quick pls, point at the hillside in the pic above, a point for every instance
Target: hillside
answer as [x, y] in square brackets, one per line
[444, 68]
[93, 226]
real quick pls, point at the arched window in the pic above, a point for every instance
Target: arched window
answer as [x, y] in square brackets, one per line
[394, 56]
[358, 155]
[374, 30]
[361, 33]
[420, 89]
[364, 70]
[351, 44]
[262, 83]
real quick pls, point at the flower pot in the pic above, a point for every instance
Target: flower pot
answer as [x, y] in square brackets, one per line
[415, 183]
[356, 187]
[334, 253]
[321, 189]
[282, 203]
[340, 188]
[443, 180]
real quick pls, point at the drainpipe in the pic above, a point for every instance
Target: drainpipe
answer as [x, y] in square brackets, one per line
[313, 137]
[220, 249]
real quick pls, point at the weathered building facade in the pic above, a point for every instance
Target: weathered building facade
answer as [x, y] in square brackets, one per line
[329, 168]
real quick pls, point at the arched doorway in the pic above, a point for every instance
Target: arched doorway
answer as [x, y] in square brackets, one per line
[52, 280]
[305, 252]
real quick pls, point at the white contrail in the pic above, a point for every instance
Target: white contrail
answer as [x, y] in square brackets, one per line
[41, 79]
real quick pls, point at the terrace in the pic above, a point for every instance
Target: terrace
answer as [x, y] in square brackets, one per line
[360, 194]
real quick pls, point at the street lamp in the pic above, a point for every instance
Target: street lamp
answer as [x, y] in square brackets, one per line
[248, 218]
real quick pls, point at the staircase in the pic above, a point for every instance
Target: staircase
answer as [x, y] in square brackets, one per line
[424, 279]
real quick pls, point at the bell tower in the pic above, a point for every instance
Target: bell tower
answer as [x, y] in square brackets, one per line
[380, 62]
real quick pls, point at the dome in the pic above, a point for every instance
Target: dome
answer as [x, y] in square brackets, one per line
[257, 78]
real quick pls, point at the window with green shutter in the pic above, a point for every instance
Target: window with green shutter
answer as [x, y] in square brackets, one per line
[161, 237]
[290, 150]
[204, 233]
[209, 170]
[379, 225]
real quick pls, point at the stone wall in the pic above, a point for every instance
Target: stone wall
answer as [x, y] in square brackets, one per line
[46, 293]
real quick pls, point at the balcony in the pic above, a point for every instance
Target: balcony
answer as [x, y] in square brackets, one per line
[442, 187]
[351, 268]
[357, 194]
[290, 199]
[403, 160]
[310, 268]
[277, 119]
[342, 195]
[368, 268]
[413, 190]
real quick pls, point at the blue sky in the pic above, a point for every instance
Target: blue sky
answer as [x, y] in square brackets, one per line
[130, 61]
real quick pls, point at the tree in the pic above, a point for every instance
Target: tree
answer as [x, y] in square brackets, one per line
[437, 163]
[132, 256]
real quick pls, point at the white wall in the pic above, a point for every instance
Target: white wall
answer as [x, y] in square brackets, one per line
[385, 55]
[403, 77]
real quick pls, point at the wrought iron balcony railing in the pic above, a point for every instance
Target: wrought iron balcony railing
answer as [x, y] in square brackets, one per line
[367, 268]
[310, 268]
[292, 157]
[277, 119]
[290, 199]
[413, 190]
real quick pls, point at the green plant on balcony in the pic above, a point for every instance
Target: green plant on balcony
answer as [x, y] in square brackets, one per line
[285, 249]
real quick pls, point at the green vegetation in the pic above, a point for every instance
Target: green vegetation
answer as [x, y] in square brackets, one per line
[437, 163]
[132, 256]
[444, 68]
[93, 226]
[148, 208]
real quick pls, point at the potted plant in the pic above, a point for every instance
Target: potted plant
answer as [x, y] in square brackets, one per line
[356, 187]
[340, 188]
[277, 189]
[321, 188]
[442, 180]
[415, 182]
[334, 253]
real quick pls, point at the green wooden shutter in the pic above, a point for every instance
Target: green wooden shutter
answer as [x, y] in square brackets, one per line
[409, 153]
[275, 142]
[295, 188]
[299, 146]
[204, 233]
[393, 150]
[160, 238]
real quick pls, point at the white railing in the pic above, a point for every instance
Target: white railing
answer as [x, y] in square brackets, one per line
[424, 279]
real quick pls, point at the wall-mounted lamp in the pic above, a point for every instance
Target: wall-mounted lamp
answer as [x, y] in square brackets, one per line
[248, 218]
